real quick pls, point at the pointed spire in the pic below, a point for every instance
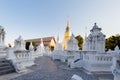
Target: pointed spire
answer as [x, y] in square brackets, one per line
[68, 23]
[31, 46]
[95, 27]
[41, 40]
[58, 37]
[116, 48]
[68, 26]
[41, 44]
[85, 32]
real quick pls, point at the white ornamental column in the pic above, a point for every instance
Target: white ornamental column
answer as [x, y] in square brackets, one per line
[31, 48]
[0, 39]
[116, 67]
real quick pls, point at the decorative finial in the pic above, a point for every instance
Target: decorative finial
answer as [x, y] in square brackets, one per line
[68, 26]
[85, 32]
[95, 23]
[58, 38]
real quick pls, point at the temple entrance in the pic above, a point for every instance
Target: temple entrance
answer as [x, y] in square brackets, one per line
[51, 48]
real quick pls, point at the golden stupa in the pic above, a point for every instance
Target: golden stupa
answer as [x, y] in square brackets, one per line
[67, 35]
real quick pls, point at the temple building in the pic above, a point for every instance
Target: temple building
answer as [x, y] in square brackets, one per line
[67, 36]
[49, 42]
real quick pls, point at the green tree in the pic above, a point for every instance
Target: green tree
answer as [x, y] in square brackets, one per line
[112, 42]
[80, 41]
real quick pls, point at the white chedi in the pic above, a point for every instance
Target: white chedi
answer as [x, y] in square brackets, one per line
[95, 40]
[47, 51]
[19, 43]
[58, 46]
[72, 44]
[31, 47]
[57, 53]
[41, 48]
[3, 47]
[117, 50]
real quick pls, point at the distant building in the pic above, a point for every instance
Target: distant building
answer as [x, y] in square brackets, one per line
[49, 42]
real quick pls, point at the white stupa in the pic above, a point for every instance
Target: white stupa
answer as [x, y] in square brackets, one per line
[95, 41]
[72, 44]
[41, 48]
[58, 44]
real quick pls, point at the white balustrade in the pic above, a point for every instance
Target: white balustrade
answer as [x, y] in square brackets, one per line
[116, 66]
[23, 55]
[21, 59]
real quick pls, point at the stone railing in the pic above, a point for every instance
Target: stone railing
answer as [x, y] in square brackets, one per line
[21, 59]
[72, 55]
[22, 55]
[93, 61]
[66, 55]
[103, 58]
[97, 62]
[97, 57]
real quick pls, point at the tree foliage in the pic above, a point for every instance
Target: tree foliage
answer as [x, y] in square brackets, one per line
[112, 42]
[80, 41]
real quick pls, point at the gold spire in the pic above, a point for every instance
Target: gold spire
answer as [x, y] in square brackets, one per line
[67, 35]
[67, 32]
[68, 26]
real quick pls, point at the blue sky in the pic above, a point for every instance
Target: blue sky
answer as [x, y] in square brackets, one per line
[41, 18]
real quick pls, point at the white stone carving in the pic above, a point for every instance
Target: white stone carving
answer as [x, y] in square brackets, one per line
[95, 41]
[20, 57]
[2, 36]
[57, 53]
[91, 58]
[72, 44]
[116, 63]
[3, 47]
[40, 50]
[76, 77]
[58, 46]
[19, 43]
[117, 50]
[31, 47]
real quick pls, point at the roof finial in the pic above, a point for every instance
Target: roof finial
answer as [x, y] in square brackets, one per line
[68, 26]
[85, 32]
[58, 38]
[95, 23]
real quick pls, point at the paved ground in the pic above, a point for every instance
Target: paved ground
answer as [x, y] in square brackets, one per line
[47, 69]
